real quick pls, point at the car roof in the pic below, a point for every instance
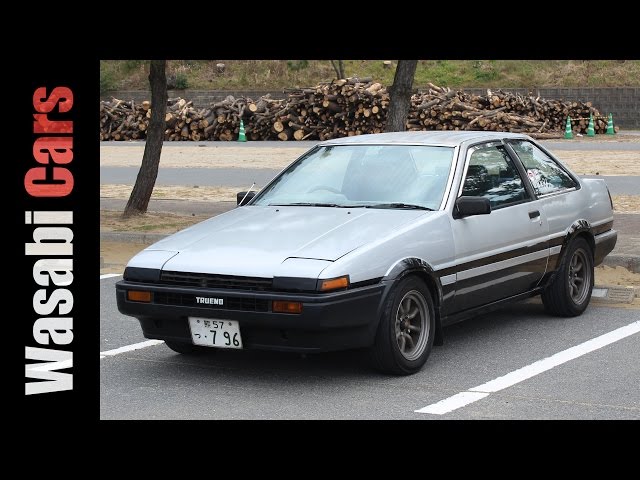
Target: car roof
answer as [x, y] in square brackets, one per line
[442, 138]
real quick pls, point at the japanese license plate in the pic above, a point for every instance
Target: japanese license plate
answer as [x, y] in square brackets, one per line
[210, 332]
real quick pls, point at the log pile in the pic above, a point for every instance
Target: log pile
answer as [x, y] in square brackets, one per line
[346, 107]
[445, 109]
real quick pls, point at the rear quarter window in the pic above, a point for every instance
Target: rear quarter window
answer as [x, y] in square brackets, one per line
[545, 175]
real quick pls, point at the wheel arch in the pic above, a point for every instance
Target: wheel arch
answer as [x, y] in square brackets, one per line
[579, 228]
[420, 268]
[557, 294]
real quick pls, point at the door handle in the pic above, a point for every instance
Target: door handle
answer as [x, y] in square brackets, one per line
[534, 214]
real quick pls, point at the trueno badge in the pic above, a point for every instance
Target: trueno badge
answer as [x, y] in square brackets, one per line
[210, 300]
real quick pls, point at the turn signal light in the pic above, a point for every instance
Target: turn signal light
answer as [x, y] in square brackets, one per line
[286, 307]
[334, 283]
[138, 296]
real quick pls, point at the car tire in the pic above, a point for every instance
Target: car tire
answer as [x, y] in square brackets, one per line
[569, 293]
[181, 347]
[407, 327]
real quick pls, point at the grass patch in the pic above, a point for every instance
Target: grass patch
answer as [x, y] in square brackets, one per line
[276, 74]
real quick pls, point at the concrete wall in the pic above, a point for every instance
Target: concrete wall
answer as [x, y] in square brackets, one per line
[622, 102]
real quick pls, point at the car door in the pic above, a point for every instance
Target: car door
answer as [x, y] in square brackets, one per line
[551, 184]
[505, 252]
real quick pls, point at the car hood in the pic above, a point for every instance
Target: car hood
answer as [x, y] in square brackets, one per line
[256, 241]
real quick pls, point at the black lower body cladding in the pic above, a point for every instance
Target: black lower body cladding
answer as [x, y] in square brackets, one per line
[330, 321]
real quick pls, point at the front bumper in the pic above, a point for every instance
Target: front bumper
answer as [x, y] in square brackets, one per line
[329, 321]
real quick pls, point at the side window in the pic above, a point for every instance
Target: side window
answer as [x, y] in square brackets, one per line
[545, 174]
[492, 174]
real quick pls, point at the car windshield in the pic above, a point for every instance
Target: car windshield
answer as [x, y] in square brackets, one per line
[369, 176]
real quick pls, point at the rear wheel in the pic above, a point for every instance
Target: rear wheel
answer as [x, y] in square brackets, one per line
[406, 331]
[570, 292]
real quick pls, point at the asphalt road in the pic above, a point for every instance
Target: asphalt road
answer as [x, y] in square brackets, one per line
[156, 383]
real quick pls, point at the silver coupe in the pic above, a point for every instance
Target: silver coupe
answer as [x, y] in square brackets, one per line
[377, 242]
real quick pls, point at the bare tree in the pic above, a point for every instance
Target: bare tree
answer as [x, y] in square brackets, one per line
[338, 66]
[400, 95]
[146, 180]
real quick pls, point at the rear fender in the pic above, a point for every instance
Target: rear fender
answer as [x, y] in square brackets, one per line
[579, 227]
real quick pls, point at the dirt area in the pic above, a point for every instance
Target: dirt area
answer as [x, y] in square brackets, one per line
[601, 162]
[116, 255]
[626, 203]
[151, 222]
[209, 156]
[606, 275]
[581, 162]
[176, 192]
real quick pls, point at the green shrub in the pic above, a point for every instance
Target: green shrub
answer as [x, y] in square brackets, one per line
[297, 65]
[130, 65]
[181, 81]
[107, 82]
[485, 72]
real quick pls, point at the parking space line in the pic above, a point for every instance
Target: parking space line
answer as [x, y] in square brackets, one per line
[474, 394]
[109, 275]
[130, 348]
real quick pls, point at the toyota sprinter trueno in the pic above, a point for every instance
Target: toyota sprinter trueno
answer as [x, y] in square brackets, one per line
[378, 242]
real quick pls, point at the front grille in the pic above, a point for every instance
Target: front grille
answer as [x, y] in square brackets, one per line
[207, 280]
[230, 303]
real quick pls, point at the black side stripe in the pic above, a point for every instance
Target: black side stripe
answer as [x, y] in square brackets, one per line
[481, 262]
[554, 242]
[602, 228]
[605, 227]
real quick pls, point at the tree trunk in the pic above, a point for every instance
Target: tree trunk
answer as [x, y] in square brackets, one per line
[338, 66]
[146, 180]
[400, 95]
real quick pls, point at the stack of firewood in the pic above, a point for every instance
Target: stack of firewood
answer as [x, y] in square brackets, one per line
[445, 109]
[346, 107]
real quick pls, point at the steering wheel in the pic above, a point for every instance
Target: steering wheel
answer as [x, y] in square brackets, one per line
[325, 187]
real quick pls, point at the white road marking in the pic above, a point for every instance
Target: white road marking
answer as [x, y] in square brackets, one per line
[447, 405]
[482, 391]
[109, 275]
[130, 348]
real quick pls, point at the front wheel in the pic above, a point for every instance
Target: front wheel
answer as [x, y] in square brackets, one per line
[405, 335]
[569, 293]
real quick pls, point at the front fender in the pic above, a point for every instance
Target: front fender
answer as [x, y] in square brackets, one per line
[417, 266]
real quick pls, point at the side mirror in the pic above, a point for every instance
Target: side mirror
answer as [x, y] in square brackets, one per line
[468, 206]
[243, 197]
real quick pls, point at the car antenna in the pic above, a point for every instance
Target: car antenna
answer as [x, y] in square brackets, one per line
[245, 195]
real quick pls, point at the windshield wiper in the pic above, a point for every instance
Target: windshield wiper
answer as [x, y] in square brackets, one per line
[304, 204]
[401, 205]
